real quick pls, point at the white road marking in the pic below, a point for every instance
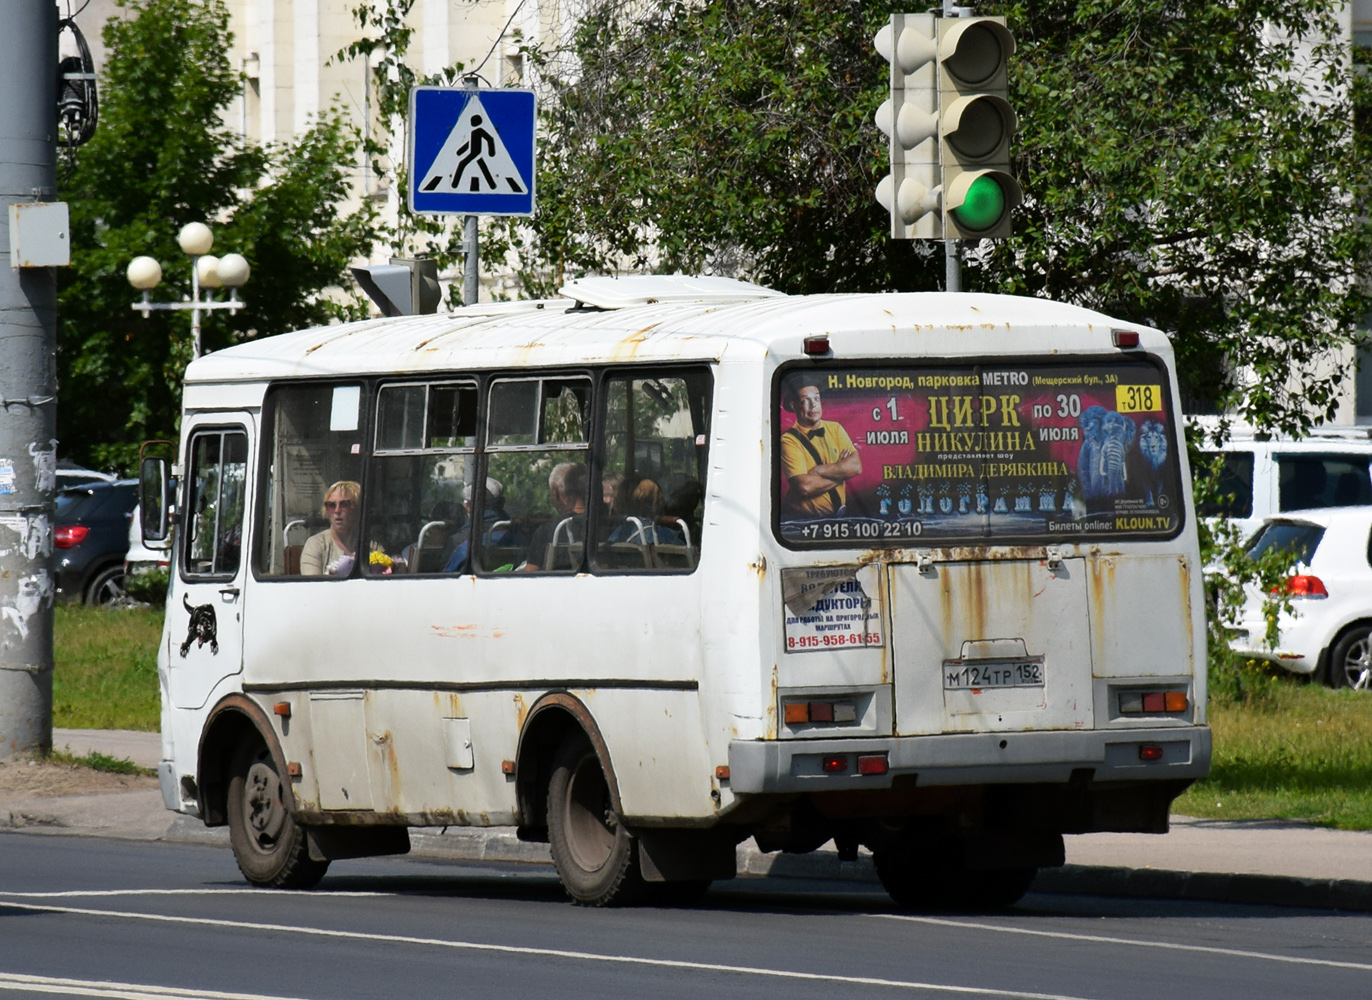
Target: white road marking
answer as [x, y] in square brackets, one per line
[245, 891]
[584, 956]
[117, 991]
[1133, 942]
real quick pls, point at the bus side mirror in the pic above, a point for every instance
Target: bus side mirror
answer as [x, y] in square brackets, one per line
[155, 513]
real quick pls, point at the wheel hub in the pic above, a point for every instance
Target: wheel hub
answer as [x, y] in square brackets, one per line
[265, 812]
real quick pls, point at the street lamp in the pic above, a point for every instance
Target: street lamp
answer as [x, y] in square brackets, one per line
[230, 271]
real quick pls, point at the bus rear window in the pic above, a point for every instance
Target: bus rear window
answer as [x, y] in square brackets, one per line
[917, 455]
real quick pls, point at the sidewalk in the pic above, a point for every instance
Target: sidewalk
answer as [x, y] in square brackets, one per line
[1271, 862]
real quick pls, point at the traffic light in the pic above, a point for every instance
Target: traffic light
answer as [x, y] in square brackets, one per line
[975, 126]
[402, 287]
[909, 117]
[949, 127]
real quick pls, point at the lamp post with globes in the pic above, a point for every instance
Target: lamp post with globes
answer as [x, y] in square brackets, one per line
[230, 271]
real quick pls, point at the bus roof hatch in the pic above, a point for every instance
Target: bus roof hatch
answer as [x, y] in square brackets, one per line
[604, 292]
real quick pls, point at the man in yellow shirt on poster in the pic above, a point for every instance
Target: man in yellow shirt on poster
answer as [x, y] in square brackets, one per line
[817, 455]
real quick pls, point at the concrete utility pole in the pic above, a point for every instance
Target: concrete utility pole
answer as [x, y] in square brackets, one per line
[28, 378]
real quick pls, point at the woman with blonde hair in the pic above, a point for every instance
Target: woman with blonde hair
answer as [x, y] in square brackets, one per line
[334, 550]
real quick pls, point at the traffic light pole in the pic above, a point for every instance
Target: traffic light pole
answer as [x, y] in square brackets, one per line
[28, 377]
[952, 264]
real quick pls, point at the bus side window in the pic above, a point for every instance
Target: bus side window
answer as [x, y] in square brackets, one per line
[423, 461]
[535, 501]
[214, 527]
[312, 440]
[652, 489]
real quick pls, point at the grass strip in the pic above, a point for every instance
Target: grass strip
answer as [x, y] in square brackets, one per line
[105, 668]
[1292, 750]
[97, 761]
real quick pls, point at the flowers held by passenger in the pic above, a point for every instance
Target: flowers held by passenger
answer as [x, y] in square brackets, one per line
[381, 562]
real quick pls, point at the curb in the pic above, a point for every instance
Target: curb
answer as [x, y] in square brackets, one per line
[1215, 887]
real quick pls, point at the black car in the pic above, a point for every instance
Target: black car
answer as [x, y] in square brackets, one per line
[91, 537]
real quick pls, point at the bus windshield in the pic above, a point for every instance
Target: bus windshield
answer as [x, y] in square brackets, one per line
[912, 455]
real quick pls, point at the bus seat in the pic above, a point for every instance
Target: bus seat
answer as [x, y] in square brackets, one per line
[624, 555]
[674, 557]
[495, 558]
[292, 554]
[563, 555]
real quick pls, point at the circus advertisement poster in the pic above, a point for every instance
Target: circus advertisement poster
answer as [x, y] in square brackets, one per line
[921, 454]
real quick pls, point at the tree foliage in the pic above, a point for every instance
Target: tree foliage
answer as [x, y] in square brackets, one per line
[1186, 165]
[162, 157]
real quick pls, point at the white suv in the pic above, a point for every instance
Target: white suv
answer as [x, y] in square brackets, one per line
[1328, 633]
[1275, 475]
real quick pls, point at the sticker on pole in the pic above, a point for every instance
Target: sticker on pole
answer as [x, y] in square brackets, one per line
[471, 151]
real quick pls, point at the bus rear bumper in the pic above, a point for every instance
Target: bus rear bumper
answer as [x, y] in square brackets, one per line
[1048, 757]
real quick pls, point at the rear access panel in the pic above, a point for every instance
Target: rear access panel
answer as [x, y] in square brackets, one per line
[990, 646]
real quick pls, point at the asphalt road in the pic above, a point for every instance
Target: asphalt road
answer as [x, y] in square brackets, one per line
[79, 915]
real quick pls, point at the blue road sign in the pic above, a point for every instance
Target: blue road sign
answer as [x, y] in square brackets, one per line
[471, 151]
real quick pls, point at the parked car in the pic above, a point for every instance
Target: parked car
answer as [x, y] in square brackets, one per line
[1269, 475]
[145, 569]
[91, 537]
[1328, 633]
[70, 474]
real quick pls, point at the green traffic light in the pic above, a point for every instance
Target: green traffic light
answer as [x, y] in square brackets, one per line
[984, 205]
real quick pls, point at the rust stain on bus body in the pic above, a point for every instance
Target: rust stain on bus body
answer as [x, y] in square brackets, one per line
[628, 346]
[772, 707]
[521, 712]
[1100, 601]
[467, 631]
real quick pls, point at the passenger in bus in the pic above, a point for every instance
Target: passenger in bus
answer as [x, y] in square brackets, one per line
[638, 503]
[496, 524]
[817, 455]
[608, 485]
[334, 550]
[567, 483]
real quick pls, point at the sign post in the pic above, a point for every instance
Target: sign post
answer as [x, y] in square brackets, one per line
[471, 153]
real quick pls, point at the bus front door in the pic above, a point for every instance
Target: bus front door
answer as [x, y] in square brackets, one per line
[204, 615]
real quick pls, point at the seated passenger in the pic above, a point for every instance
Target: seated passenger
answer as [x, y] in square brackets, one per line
[567, 483]
[641, 499]
[492, 514]
[438, 541]
[334, 550]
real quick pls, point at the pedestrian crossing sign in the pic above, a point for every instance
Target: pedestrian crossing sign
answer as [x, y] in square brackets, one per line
[471, 151]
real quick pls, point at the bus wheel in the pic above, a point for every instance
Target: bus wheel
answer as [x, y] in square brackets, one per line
[267, 842]
[917, 877]
[595, 854]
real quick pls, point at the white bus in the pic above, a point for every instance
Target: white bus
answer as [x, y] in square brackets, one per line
[669, 563]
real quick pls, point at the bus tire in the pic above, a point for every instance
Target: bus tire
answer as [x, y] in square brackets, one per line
[268, 844]
[595, 854]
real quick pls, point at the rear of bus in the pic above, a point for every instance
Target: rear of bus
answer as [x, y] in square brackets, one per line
[988, 618]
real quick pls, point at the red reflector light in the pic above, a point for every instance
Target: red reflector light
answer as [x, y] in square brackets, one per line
[1124, 338]
[816, 345]
[1306, 586]
[68, 535]
[834, 764]
[1154, 702]
[821, 711]
[872, 763]
[1150, 751]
